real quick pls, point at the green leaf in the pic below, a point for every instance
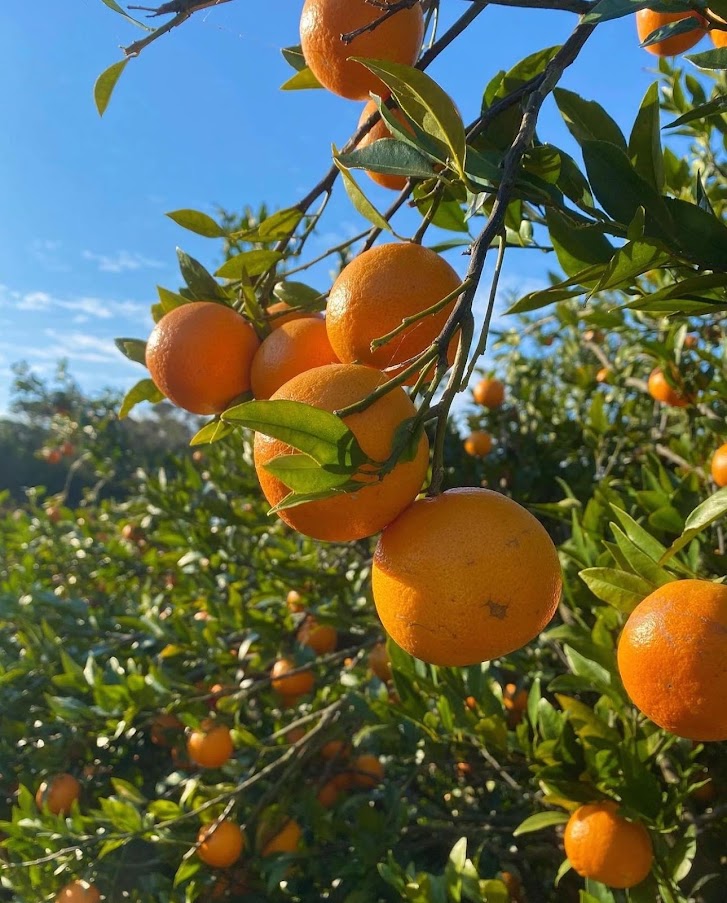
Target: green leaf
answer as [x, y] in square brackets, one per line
[303, 498]
[678, 862]
[672, 29]
[317, 433]
[198, 222]
[169, 300]
[294, 57]
[623, 591]
[700, 235]
[703, 516]
[301, 81]
[248, 263]
[709, 59]
[629, 261]
[105, 84]
[425, 103]
[645, 140]
[539, 821]
[359, 200]
[575, 246]
[390, 157]
[187, 868]
[278, 225]
[212, 432]
[715, 107]
[298, 294]
[144, 390]
[606, 10]
[304, 475]
[133, 349]
[639, 562]
[587, 120]
[200, 283]
[112, 4]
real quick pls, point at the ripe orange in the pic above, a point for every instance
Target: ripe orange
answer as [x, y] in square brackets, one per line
[321, 638]
[334, 749]
[323, 22]
[285, 841]
[367, 771]
[515, 702]
[648, 21]
[719, 466]
[380, 663]
[376, 133]
[132, 533]
[53, 456]
[290, 685]
[672, 655]
[603, 375]
[53, 513]
[292, 349]
[350, 516]
[78, 892]
[471, 703]
[660, 390]
[330, 791]
[478, 444]
[376, 291]
[58, 794]
[465, 577]
[220, 845]
[719, 37]
[165, 729]
[489, 392]
[605, 847]
[199, 355]
[210, 746]
[294, 601]
[280, 313]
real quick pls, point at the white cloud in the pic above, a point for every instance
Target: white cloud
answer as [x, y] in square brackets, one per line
[85, 306]
[121, 261]
[74, 346]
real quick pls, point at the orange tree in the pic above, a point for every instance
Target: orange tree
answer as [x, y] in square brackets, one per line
[179, 667]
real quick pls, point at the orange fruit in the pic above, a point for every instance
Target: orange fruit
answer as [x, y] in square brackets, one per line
[53, 456]
[199, 355]
[329, 793]
[471, 703]
[367, 771]
[602, 845]
[289, 350]
[376, 291]
[78, 892]
[719, 466]
[515, 702]
[489, 392]
[478, 444]
[465, 577]
[165, 728]
[295, 734]
[660, 390]
[210, 746]
[291, 685]
[321, 638]
[294, 601]
[58, 794]
[719, 37]
[691, 340]
[380, 663]
[285, 841]
[219, 845]
[672, 654]
[53, 513]
[355, 515]
[281, 312]
[603, 375]
[396, 40]
[376, 133]
[132, 533]
[647, 21]
[334, 749]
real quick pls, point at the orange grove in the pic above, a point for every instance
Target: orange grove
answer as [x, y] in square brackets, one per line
[489, 392]
[376, 292]
[219, 845]
[719, 466]
[78, 892]
[58, 793]
[355, 515]
[289, 350]
[465, 577]
[672, 655]
[287, 684]
[376, 133]
[647, 21]
[200, 354]
[605, 847]
[322, 24]
[210, 746]
[478, 444]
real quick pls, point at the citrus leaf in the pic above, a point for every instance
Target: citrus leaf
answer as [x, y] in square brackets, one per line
[250, 263]
[623, 591]
[303, 498]
[301, 81]
[197, 222]
[709, 59]
[587, 120]
[105, 84]
[298, 294]
[294, 57]
[359, 200]
[672, 29]
[144, 390]
[304, 475]
[391, 157]
[169, 300]
[702, 517]
[715, 107]
[539, 821]
[133, 349]
[645, 140]
[202, 285]
[212, 432]
[112, 4]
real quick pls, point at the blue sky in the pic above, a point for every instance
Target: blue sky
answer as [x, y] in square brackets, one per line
[198, 121]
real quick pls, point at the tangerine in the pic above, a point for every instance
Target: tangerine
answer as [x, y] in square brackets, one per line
[321, 638]
[290, 349]
[294, 601]
[210, 746]
[200, 355]
[367, 771]
[285, 841]
[220, 845]
[58, 793]
[165, 729]
[281, 312]
[647, 21]
[478, 444]
[605, 847]
[660, 390]
[465, 577]
[355, 515]
[78, 892]
[334, 749]
[376, 291]
[489, 392]
[719, 466]
[671, 657]
[291, 685]
[398, 39]
[380, 663]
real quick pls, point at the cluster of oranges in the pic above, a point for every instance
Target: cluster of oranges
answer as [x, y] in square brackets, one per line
[56, 455]
[649, 21]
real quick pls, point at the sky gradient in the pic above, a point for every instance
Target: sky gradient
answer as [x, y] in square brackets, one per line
[198, 121]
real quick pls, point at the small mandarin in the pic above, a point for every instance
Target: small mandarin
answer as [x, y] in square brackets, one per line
[478, 444]
[165, 729]
[286, 840]
[220, 845]
[58, 794]
[648, 21]
[78, 892]
[210, 746]
[291, 685]
[321, 638]
[290, 349]
[367, 771]
[380, 663]
[489, 392]
[281, 312]
[719, 466]
[660, 390]
[294, 601]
